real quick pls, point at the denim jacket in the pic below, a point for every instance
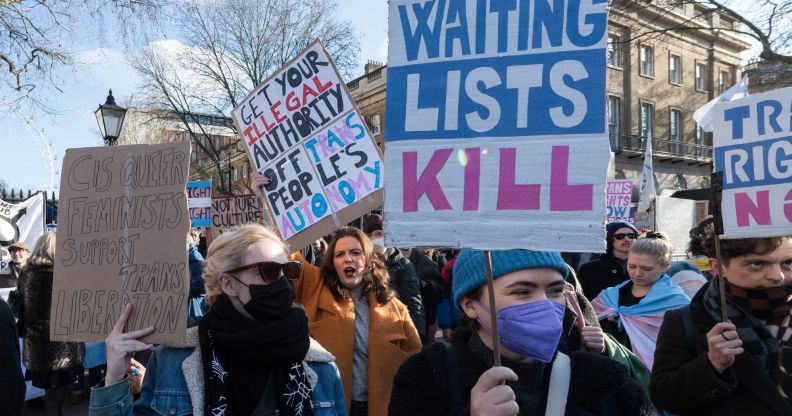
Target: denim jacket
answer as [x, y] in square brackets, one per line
[173, 384]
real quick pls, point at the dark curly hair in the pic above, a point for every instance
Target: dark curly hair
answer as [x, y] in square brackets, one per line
[740, 247]
[375, 277]
[697, 236]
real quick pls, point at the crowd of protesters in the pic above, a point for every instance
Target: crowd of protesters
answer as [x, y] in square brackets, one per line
[352, 326]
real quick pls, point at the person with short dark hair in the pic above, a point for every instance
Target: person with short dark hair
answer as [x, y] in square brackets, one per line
[610, 269]
[708, 365]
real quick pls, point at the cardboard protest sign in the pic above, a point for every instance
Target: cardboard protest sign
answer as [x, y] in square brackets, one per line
[23, 221]
[495, 130]
[122, 238]
[302, 130]
[199, 201]
[230, 212]
[753, 148]
[618, 197]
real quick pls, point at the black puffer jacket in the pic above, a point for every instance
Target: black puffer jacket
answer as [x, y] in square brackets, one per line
[404, 281]
[598, 386]
[432, 288]
[598, 275]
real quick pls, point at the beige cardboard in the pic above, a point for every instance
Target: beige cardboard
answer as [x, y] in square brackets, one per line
[337, 217]
[111, 253]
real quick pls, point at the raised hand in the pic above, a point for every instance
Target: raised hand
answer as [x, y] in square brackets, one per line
[120, 346]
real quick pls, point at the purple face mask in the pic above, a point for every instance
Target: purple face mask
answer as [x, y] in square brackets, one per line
[531, 329]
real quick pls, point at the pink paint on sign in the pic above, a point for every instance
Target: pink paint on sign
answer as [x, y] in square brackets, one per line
[563, 196]
[510, 194]
[746, 208]
[472, 179]
[414, 187]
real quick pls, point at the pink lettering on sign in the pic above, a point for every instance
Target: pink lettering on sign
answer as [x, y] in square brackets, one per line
[788, 207]
[472, 179]
[563, 196]
[747, 209]
[414, 187]
[510, 194]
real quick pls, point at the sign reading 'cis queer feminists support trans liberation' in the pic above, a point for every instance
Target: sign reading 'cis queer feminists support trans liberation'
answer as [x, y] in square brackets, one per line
[753, 149]
[496, 125]
[303, 131]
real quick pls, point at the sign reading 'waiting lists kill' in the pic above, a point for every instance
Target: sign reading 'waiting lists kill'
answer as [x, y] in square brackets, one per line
[496, 124]
[303, 131]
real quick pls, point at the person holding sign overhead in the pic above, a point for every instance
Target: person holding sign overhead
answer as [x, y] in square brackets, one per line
[536, 376]
[707, 365]
[250, 355]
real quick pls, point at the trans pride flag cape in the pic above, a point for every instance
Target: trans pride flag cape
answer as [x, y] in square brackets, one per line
[642, 321]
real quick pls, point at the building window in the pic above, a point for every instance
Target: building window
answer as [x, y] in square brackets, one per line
[614, 119]
[614, 51]
[675, 131]
[679, 182]
[675, 69]
[701, 77]
[701, 151]
[647, 120]
[723, 82]
[374, 124]
[647, 60]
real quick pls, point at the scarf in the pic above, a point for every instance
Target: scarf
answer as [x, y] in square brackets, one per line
[241, 357]
[756, 336]
[642, 321]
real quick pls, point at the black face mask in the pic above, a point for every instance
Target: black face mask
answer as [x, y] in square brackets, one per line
[270, 302]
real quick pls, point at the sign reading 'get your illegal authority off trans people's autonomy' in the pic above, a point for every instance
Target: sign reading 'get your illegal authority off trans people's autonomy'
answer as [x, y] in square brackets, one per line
[302, 130]
[495, 125]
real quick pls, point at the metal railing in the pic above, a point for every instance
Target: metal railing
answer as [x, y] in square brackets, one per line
[661, 147]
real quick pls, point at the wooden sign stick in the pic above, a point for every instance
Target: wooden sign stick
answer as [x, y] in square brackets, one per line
[493, 315]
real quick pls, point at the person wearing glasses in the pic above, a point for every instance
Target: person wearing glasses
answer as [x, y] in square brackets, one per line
[610, 269]
[353, 312]
[633, 311]
[705, 365]
[251, 354]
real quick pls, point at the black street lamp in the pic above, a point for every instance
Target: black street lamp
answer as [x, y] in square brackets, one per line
[110, 118]
[229, 187]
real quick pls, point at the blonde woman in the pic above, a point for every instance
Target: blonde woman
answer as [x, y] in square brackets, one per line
[633, 311]
[251, 353]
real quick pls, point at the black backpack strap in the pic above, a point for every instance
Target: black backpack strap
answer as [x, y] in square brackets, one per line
[688, 327]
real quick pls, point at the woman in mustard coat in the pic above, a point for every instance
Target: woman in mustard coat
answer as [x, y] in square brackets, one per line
[353, 313]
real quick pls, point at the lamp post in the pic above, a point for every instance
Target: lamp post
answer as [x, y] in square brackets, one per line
[110, 118]
[228, 188]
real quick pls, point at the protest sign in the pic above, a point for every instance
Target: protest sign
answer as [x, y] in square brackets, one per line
[495, 130]
[753, 148]
[122, 238]
[199, 201]
[20, 222]
[302, 130]
[618, 198]
[230, 212]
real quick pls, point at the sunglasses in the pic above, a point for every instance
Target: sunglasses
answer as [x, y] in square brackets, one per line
[270, 271]
[621, 236]
[656, 235]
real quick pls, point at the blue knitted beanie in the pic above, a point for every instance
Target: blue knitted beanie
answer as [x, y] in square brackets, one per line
[470, 272]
